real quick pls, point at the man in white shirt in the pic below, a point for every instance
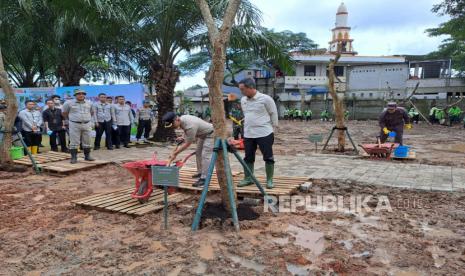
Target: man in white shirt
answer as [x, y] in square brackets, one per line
[31, 123]
[260, 117]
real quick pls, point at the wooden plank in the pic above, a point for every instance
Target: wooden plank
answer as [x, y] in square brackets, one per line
[172, 199]
[127, 202]
[97, 196]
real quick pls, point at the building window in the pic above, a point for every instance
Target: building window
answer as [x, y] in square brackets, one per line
[339, 70]
[310, 70]
[371, 95]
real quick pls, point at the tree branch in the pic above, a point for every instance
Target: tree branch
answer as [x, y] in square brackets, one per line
[209, 21]
[228, 19]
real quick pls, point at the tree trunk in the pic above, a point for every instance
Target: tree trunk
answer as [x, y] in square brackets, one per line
[338, 106]
[215, 82]
[12, 109]
[71, 74]
[165, 78]
[302, 101]
[219, 38]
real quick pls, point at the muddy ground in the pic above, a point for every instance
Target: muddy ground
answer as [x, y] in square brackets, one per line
[42, 233]
[433, 144]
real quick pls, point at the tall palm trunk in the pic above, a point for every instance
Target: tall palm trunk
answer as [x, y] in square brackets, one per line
[12, 109]
[165, 78]
[71, 73]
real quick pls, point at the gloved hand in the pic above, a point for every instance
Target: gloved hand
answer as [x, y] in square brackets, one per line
[408, 126]
[386, 131]
[49, 132]
[115, 127]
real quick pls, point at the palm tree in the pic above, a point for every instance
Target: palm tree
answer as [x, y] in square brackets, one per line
[66, 40]
[168, 28]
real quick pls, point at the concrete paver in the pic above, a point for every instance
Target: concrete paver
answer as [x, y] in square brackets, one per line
[320, 166]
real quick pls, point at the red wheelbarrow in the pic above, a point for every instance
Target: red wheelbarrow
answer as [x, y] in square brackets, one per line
[143, 173]
[379, 151]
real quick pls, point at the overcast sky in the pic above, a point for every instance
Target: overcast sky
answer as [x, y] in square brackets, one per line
[379, 27]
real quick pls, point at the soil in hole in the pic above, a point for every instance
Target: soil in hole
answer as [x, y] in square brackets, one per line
[215, 210]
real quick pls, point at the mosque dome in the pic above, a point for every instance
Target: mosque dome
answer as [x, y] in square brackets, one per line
[342, 8]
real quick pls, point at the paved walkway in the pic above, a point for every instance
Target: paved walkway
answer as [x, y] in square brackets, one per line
[320, 166]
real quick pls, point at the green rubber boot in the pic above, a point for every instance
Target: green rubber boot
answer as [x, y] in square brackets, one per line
[269, 167]
[247, 179]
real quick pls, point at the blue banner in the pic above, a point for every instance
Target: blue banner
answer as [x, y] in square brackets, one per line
[133, 92]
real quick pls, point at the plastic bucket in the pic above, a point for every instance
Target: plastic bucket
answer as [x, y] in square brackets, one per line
[401, 151]
[16, 153]
[392, 134]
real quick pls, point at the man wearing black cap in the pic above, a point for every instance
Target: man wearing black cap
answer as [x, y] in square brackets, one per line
[393, 119]
[79, 114]
[194, 129]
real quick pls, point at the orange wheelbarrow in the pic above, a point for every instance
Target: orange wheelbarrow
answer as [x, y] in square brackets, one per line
[143, 174]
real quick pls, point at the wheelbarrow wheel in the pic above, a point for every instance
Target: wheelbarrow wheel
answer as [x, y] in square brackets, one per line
[141, 191]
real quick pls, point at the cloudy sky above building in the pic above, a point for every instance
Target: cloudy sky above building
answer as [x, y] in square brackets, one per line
[379, 27]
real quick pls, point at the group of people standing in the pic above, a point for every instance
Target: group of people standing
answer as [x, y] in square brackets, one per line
[78, 117]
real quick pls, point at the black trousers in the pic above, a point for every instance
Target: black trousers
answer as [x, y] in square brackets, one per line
[123, 136]
[31, 138]
[61, 135]
[266, 147]
[144, 126]
[103, 127]
[238, 130]
[114, 136]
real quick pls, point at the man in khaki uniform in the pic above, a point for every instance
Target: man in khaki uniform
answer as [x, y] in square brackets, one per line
[194, 129]
[79, 113]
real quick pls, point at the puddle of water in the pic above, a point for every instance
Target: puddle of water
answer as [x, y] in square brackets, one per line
[297, 269]
[281, 241]
[347, 244]
[340, 222]
[247, 263]
[38, 197]
[438, 256]
[309, 239]
[407, 273]
[200, 268]
[364, 254]
[371, 220]
[382, 256]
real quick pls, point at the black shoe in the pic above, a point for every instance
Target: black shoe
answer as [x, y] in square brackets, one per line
[117, 147]
[110, 148]
[87, 156]
[199, 183]
[73, 156]
[96, 148]
[126, 146]
[197, 175]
